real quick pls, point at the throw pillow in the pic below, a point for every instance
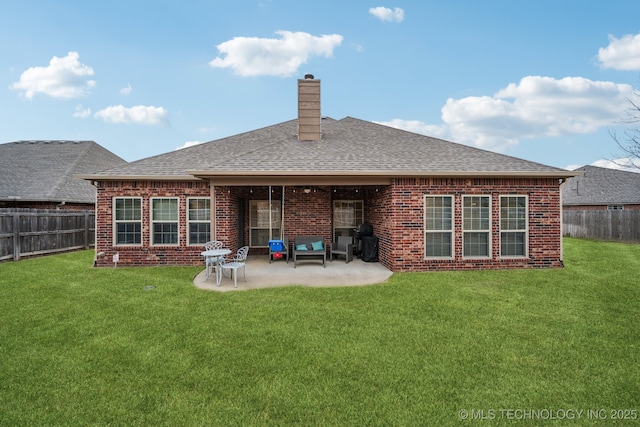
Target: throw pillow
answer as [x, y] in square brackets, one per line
[302, 247]
[317, 246]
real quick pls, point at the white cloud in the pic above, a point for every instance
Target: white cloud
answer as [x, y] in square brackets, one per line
[386, 14]
[253, 56]
[621, 54]
[82, 113]
[63, 78]
[625, 164]
[536, 107]
[188, 144]
[126, 90]
[140, 114]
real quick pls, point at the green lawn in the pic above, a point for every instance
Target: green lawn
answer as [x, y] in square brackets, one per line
[85, 346]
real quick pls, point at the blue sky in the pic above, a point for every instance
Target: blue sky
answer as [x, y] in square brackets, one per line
[542, 80]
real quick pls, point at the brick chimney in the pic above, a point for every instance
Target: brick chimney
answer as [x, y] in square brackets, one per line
[309, 108]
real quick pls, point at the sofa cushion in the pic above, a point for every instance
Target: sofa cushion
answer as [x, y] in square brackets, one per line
[317, 246]
[301, 247]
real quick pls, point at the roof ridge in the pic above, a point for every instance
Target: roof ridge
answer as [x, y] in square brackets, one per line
[86, 146]
[610, 169]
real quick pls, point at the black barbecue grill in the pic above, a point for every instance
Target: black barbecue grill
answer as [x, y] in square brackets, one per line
[366, 243]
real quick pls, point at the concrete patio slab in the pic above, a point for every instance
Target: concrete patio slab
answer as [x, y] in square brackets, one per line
[261, 274]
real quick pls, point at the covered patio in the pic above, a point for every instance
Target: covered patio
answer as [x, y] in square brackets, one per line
[253, 215]
[262, 274]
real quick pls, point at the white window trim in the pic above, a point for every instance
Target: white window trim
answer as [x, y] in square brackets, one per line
[189, 222]
[115, 222]
[487, 231]
[451, 231]
[615, 207]
[526, 230]
[152, 222]
[274, 219]
[333, 213]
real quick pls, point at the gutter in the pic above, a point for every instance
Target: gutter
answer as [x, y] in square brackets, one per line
[392, 173]
[280, 177]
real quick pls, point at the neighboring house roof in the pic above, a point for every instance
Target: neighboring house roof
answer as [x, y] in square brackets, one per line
[349, 148]
[602, 186]
[45, 171]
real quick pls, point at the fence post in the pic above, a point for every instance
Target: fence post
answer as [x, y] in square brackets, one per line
[16, 236]
[86, 230]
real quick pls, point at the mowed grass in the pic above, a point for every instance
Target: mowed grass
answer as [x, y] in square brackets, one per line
[86, 346]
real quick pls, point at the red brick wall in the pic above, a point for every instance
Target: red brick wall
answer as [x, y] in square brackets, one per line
[377, 208]
[225, 207]
[308, 214]
[401, 232]
[395, 211]
[145, 254]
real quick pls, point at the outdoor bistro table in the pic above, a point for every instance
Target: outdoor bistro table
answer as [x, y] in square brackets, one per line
[214, 253]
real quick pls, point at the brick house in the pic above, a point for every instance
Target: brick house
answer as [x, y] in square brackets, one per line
[602, 204]
[41, 174]
[602, 189]
[433, 204]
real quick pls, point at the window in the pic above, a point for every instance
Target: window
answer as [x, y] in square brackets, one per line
[164, 221]
[438, 226]
[615, 207]
[198, 221]
[513, 226]
[476, 226]
[127, 221]
[260, 219]
[347, 215]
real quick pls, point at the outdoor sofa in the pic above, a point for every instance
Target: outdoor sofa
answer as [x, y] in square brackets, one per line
[309, 246]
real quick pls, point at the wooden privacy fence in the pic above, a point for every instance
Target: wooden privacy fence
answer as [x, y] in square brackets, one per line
[30, 232]
[618, 225]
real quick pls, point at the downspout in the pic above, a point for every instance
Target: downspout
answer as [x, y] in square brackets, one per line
[95, 226]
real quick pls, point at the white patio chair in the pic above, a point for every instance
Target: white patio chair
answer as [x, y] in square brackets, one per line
[236, 262]
[212, 262]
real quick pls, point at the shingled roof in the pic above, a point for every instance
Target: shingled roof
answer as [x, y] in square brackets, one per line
[348, 148]
[602, 186]
[45, 171]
